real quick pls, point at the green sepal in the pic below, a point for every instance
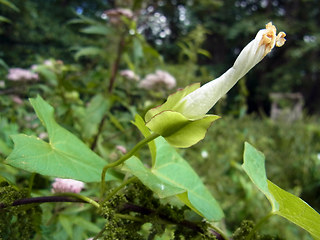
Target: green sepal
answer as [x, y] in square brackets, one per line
[173, 176]
[283, 203]
[64, 156]
[178, 130]
[172, 102]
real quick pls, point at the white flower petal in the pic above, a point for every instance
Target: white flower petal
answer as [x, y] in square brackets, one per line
[199, 102]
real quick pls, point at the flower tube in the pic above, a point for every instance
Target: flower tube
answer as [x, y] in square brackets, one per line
[200, 101]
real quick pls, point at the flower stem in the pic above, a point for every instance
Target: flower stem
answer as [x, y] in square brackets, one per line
[124, 158]
[130, 180]
[258, 225]
[81, 197]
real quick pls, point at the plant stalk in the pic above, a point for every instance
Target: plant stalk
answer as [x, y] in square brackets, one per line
[124, 158]
[130, 180]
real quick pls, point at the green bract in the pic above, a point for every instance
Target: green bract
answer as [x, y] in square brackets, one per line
[168, 121]
[283, 203]
[64, 156]
[170, 176]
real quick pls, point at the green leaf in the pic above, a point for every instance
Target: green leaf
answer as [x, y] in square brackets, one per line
[204, 52]
[296, 210]
[140, 124]
[254, 166]
[137, 50]
[116, 122]
[161, 187]
[4, 149]
[96, 29]
[93, 114]
[172, 175]
[65, 156]
[178, 130]
[4, 19]
[10, 5]
[89, 226]
[3, 64]
[171, 102]
[48, 74]
[88, 51]
[66, 223]
[283, 203]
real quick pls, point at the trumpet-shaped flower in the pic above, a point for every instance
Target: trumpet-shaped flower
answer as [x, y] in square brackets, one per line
[199, 102]
[182, 119]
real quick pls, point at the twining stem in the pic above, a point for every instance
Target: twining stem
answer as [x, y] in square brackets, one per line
[130, 180]
[39, 200]
[124, 158]
[81, 197]
[258, 225]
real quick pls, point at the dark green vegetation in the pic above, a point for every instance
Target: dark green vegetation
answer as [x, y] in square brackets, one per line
[195, 42]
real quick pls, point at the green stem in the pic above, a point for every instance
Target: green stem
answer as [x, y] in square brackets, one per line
[220, 232]
[129, 217]
[124, 158]
[130, 180]
[31, 183]
[258, 225]
[79, 196]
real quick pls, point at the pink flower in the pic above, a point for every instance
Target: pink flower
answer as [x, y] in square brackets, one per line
[115, 15]
[61, 185]
[43, 135]
[122, 149]
[19, 74]
[17, 100]
[157, 80]
[130, 75]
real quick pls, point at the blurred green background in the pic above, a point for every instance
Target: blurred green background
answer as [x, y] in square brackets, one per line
[78, 48]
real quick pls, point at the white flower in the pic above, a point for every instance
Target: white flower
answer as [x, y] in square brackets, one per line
[158, 80]
[199, 102]
[61, 185]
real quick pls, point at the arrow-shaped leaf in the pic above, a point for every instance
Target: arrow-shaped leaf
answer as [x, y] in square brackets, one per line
[283, 203]
[64, 156]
